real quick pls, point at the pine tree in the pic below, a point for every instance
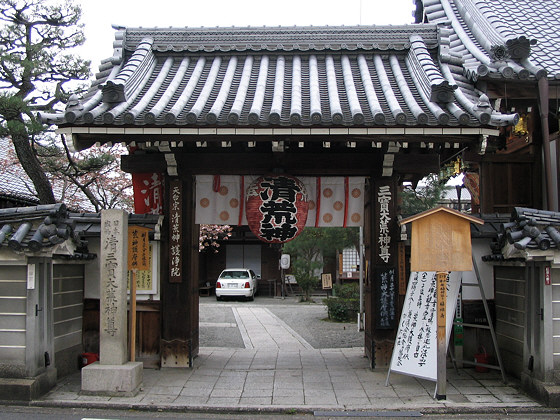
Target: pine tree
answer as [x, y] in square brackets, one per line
[37, 73]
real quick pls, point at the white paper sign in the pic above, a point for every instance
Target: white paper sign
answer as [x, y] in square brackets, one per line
[415, 350]
[30, 276]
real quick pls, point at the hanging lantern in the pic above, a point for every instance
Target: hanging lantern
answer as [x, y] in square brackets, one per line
[276, 208]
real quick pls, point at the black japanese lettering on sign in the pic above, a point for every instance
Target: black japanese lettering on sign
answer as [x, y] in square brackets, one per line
[282, 188]
[278, 216]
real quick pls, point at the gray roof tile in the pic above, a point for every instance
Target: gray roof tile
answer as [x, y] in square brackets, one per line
[509, 37]
[326, 76]
[14, 182]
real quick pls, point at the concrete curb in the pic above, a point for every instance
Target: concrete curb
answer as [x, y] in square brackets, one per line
[279, 410]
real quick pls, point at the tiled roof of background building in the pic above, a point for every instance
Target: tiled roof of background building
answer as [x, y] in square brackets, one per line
[32, 229]
[16, 185]
[504, 38]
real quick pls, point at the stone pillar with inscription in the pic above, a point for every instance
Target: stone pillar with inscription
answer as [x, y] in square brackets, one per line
[113, 375]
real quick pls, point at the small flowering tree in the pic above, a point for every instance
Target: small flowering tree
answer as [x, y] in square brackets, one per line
[211, 234]
[93, 174]
[90, 180]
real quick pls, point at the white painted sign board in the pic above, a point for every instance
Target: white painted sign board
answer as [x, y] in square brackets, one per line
[415, 350]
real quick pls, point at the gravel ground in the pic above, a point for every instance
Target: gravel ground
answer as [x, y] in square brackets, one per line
[218, 327]
[308, 320]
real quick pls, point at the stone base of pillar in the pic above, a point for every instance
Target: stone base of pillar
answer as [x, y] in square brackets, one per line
[112, 380]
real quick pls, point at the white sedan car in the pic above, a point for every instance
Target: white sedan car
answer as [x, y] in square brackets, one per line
[238, 282]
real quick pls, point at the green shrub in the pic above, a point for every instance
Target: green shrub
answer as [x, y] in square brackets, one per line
[342, 309]
[347, 290]
[306, 281]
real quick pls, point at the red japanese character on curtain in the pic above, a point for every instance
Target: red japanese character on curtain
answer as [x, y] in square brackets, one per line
[148, 193]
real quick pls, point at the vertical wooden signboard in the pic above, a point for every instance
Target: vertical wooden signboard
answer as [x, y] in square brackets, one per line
[441, 284]
[138, 259]
[176, 232]
[326, 281]
[138, 248]
[441, 242]
[383, 299]
[384, 224]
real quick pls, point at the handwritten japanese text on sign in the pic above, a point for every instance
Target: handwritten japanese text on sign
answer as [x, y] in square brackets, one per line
[138, 248]
[415, 348]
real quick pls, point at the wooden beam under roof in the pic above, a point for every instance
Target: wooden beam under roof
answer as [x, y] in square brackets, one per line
[301, 163]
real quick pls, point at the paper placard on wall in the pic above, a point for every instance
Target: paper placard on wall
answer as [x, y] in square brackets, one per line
[30, 276]
[415, 350]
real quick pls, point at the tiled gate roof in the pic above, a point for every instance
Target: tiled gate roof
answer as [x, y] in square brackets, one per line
[261, 77]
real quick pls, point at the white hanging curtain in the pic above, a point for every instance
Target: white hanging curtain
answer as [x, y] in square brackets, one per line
[333, 201]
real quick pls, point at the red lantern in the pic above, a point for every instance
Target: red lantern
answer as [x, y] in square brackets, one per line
[276, 208]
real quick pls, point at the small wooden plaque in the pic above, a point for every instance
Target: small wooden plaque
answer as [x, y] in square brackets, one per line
[326, 279]
[441, 240]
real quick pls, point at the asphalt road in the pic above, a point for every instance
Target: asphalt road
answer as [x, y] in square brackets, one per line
[218, 327]
[45, 413]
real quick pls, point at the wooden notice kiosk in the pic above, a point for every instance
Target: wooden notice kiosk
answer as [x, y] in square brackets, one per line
[441, 242]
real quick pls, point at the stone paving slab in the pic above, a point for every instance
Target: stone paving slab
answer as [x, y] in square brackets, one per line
[279, 371]
[334, 383]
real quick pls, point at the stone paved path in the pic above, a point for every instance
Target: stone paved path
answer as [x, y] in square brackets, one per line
[279, 370]
[261, 329]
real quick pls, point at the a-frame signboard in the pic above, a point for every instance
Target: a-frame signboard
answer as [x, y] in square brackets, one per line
[441, 243]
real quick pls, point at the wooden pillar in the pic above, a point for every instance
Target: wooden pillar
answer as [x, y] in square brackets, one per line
[381, 310]
[441, 283]
[179, 276]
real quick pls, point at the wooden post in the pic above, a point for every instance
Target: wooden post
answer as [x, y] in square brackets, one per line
[138, 259]
[179, 285]
[441, 280]
[133, 316]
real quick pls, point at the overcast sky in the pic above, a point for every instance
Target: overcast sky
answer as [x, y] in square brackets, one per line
[99, 15]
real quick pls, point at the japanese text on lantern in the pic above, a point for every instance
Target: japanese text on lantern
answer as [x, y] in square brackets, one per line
[278, 208]
[175, 226]
[384, 198]
[111, 230]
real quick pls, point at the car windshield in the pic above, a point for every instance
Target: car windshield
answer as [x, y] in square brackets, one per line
[234, 275]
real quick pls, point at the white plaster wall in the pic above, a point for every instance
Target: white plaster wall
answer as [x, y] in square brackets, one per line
[91, 271]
